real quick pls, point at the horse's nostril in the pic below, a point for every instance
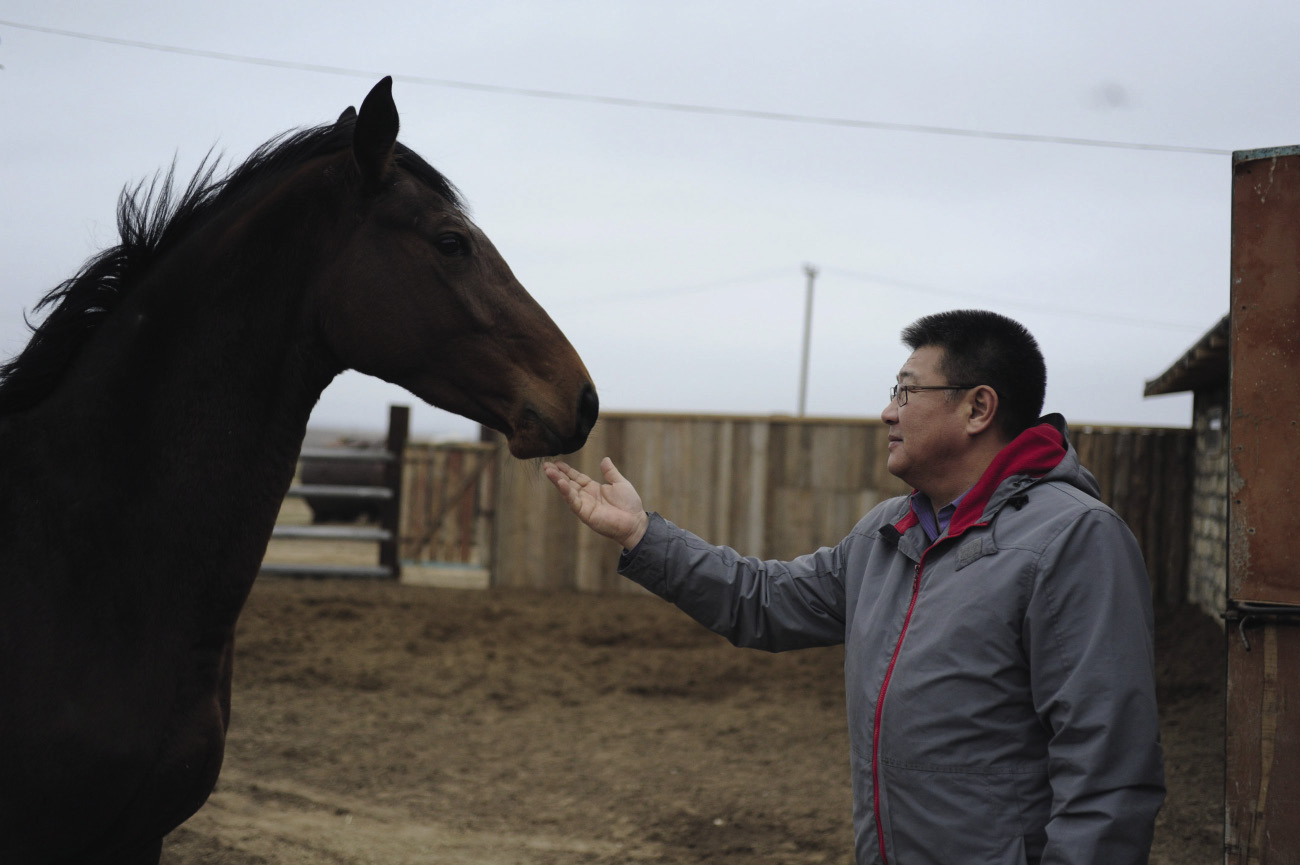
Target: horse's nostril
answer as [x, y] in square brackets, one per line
[588, 408]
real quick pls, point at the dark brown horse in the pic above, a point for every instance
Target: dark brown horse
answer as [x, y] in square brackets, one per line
[149, 431]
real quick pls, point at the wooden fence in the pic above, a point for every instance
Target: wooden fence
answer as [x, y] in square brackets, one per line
[776, 487]
[1146, 476]
[773, 487]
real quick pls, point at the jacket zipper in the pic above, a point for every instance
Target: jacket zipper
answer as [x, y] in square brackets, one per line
[880, 707]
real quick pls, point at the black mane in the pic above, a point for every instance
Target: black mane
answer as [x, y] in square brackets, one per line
[151, 219]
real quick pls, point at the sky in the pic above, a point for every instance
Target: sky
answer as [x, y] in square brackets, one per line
[659, 174]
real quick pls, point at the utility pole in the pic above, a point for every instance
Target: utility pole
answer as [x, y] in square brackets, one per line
[810, 272]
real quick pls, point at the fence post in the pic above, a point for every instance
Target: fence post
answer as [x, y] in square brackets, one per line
[399, 427]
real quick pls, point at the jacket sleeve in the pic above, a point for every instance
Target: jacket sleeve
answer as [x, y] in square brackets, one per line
[769, 605]
[1089, 636]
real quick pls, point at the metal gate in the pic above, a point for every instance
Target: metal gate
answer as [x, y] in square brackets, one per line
[1263, 706]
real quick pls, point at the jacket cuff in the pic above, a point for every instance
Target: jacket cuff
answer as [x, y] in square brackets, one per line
[637, 563]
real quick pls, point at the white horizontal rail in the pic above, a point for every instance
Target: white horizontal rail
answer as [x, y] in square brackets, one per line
[354, 572]
[339, 491]
[331, 533]
[346, 455]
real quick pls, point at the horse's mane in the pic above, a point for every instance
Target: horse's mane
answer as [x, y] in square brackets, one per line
[151, 220]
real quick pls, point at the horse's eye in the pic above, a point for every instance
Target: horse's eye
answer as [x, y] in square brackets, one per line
[451, 244]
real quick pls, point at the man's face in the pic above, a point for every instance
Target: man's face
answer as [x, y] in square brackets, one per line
[927, 436]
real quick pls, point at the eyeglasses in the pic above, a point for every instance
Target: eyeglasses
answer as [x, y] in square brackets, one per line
[898, 393]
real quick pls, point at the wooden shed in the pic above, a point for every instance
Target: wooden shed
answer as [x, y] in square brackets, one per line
[1203, 370]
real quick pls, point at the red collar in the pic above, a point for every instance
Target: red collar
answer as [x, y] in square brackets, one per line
[1034, 452]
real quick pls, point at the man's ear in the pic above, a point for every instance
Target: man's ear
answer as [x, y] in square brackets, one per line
[982, 403]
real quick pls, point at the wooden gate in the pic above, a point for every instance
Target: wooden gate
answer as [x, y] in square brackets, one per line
[388, 493]
[1263, 707]
[446, 527]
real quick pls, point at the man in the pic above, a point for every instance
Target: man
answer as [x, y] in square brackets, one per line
[997, 623]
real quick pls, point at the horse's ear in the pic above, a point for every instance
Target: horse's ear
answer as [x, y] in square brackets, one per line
[376, 132]
[349, 113]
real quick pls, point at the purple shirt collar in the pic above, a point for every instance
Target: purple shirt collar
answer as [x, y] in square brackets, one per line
[924, 510]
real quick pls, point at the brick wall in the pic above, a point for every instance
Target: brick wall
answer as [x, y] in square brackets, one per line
[1208, 557]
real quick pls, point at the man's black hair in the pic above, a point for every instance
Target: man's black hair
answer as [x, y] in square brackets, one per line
[981, 347]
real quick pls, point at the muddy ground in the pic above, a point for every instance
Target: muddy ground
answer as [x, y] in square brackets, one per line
[384, 723]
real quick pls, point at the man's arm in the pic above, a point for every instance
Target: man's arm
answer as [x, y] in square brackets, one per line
[767, 605]
[1089, 638]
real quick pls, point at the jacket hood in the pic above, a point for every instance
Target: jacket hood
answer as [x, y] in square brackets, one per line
[1042, 451]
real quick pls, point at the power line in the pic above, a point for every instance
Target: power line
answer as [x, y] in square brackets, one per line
[747, 279]
[680, 107]
[1046, 308]
[786, 272]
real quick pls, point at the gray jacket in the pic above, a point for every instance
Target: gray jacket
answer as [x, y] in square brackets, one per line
[1000, 681]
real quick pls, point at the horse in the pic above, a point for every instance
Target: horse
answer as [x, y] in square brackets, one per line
[150, 429]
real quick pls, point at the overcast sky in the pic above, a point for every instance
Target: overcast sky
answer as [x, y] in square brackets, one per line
[670, 244]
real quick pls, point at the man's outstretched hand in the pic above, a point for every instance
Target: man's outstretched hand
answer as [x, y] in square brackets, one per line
[612, 509]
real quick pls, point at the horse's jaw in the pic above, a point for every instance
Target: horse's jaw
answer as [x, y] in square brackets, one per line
[536, 420]
[533, 435]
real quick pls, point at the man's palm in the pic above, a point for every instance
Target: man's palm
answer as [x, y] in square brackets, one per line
[612, 509]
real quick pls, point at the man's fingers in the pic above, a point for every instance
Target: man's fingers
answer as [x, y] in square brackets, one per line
[572, 474]
[572, 486]
[610, 471]
[556, 476]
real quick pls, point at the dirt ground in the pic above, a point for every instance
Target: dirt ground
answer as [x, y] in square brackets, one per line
[393, 724]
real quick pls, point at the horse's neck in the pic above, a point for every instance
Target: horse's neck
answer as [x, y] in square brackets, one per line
[223, 362]
[184, 416]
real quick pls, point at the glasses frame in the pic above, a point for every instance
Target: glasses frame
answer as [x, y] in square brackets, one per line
[898, 393]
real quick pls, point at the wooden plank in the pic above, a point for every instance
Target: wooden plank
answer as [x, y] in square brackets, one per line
[332, 533]
[674, 485]
[505, 530]
[760, 498]
[1122, 473]
[399, 428]
[512, 529]
[345, 454]
[702, 472]
[485, 520]
[1262, 744]
[334, 491]
[1083, 446]
[518, 524]
[327, 571]
[1102, 462]
[413, 484]
[740, 496]
[790, 527]
[1135, 509]
[591, 565]
[1178, 483]
[724, 487]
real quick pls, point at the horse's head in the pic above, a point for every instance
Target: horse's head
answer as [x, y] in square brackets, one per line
[417, 295]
